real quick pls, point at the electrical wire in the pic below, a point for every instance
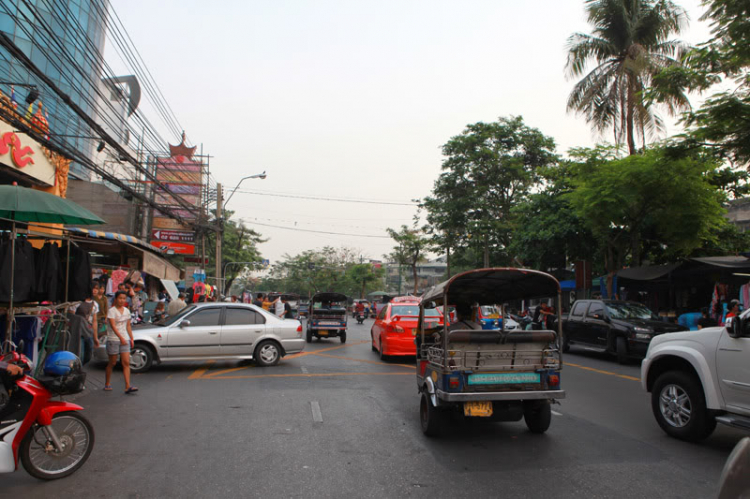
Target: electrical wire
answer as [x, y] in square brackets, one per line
[314, 198]
[313, 231]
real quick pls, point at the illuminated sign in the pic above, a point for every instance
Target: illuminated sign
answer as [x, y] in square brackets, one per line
[25, 155]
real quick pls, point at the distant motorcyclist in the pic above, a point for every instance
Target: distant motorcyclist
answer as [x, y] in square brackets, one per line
[360, 308]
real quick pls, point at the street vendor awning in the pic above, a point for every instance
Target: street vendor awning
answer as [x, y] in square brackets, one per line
[647, 273]
[114, 236]
[728, 262]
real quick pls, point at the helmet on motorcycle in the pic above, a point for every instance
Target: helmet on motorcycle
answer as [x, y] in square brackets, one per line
[62, 364]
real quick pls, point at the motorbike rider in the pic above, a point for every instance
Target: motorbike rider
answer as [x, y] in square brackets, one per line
[360, 308]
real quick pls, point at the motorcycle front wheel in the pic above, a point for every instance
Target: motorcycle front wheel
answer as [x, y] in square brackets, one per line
[41, 459]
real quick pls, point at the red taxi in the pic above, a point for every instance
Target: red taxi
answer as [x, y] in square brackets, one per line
[395, 327]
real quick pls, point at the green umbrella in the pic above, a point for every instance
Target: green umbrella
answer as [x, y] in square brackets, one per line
[378, 293]
[28, 205]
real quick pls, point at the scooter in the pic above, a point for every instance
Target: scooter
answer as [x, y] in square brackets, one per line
[361, 317]
[51, 438]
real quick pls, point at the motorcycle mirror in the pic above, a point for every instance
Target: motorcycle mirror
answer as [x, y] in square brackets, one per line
[735, 477]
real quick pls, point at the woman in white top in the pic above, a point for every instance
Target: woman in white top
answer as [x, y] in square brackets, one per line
[119, 340]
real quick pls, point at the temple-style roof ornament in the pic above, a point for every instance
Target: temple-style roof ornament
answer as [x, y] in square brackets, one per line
[182, 149]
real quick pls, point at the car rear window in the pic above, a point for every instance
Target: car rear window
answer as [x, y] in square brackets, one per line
[413, 310]
[579, 309]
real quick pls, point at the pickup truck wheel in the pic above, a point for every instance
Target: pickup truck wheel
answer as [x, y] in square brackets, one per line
[621, 350]
[679, 406]
[565, 343]
[430, 417]
[538, 416]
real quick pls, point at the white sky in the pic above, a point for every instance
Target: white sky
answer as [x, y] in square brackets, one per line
[342, 98]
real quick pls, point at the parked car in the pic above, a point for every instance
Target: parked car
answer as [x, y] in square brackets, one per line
[220, 331]
[622, 328]
[700, 378]
[395, 326]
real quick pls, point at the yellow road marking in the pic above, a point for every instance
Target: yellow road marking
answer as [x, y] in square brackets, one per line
[314, 352]
[362, 360]
[201, 370]
[609, 373]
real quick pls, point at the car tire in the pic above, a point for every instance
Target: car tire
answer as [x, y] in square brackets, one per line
[308, 336]
[621, 350]
[538, 416]
[431, 418]
[565, 343]
[668, 404]
[141, 358]
[342, 337]
[267, 354]
[383, 356]
[372, 342]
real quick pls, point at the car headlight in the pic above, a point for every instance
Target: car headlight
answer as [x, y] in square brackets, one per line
[643, 333]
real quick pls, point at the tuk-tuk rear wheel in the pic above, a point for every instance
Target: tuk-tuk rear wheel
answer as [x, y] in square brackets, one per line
[430, 417]
[538, 415]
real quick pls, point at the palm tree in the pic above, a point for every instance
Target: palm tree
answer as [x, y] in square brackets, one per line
[630, 46]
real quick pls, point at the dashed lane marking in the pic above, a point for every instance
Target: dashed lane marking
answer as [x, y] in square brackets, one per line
[608, 373]
[555, 413]
[304, 369]
[316, 414]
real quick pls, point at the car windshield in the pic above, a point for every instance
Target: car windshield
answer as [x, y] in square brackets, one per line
[629, 311]
[318, 305]
[174, 318]
[413, 311]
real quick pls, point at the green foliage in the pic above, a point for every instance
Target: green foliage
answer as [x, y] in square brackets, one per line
[410, 248]
[656, 194]
[240, 244]
[328, 269]
[630, 45]
[488, 169]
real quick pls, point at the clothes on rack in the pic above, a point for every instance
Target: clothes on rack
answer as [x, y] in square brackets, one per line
[118, 277]
[49, 279]
[26, 329]
[23, 285]
[745, 295]
[79, 277]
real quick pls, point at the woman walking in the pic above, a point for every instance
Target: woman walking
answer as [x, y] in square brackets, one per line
[119, 340]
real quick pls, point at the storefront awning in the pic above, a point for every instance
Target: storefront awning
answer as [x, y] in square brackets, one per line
[647, 273]
[114, 236]
[728, 262]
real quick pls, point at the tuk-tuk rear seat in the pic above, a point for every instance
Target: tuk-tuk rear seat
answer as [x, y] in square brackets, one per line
[498, 337]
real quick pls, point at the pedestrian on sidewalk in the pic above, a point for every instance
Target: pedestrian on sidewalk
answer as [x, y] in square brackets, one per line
[258, 301]
[119, 341]
[89, 309]
[103, 304]
[278, 307]
[287, 309]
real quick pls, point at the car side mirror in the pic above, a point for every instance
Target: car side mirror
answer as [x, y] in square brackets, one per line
[734, 328]
[185, 324]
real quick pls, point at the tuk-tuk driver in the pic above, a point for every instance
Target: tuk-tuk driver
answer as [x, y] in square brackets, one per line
[466, 318]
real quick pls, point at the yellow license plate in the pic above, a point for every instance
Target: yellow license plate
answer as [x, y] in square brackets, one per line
[478, 409]
[323, 333]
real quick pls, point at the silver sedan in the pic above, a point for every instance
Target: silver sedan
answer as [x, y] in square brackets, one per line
[220, 331]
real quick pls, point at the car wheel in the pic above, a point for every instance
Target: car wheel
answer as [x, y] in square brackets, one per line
[141, 358]
[538, 416]
[566, 343]
[383, 356]
[372, 342]
[621, 350]
[267, 354]
[342, 337]
[679, 406]
[308, 336]
[431, 418]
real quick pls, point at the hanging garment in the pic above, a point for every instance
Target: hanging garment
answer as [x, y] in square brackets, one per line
[79, 277]
[118, 277]
[23, 286]
[26, 330]
[49, 277]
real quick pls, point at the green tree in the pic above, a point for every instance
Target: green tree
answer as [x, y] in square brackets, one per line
[410, 247]
[722, 123]
[240, 244]
[488, 169]
[668, 198]
[364, 277]
[630, 45]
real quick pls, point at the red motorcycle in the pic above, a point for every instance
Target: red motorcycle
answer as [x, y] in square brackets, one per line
[51, 438]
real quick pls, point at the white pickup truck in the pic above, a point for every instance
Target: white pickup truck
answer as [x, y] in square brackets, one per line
[700, 378]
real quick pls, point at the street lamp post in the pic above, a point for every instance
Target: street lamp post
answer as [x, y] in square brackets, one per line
[220, 206]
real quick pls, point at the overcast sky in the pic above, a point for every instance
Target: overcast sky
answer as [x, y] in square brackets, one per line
[353, 99]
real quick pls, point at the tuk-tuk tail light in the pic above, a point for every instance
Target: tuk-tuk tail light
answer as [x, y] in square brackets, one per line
[554, 380]
[454, 382]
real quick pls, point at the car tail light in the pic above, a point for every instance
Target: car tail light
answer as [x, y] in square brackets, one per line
[299, 328]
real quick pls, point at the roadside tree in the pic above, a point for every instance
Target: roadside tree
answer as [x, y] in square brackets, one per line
[410, 249]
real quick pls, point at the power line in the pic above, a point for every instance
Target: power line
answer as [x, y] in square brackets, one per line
[315, 231]
[339, 200]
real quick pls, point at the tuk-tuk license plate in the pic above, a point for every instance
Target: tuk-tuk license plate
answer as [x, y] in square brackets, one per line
[323, 333]
[503, 378]
[478, 409]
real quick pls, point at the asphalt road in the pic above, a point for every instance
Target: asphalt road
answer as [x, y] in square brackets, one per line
[335, 421]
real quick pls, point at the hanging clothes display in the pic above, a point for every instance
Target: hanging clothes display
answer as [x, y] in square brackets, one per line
[26, 330]
[118, 277]
[49, 279]
[23, 286]
[79, 277]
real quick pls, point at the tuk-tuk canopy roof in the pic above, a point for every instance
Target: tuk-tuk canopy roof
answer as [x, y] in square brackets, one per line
[335, 297]
[493, 286]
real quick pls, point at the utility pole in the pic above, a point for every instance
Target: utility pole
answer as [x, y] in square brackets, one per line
[219, 236]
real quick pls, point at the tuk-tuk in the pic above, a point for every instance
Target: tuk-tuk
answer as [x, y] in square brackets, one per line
[495, 374]
[327, 316]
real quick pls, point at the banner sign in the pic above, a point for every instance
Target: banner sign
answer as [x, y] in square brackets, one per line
[173, 235]
[173, 247]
